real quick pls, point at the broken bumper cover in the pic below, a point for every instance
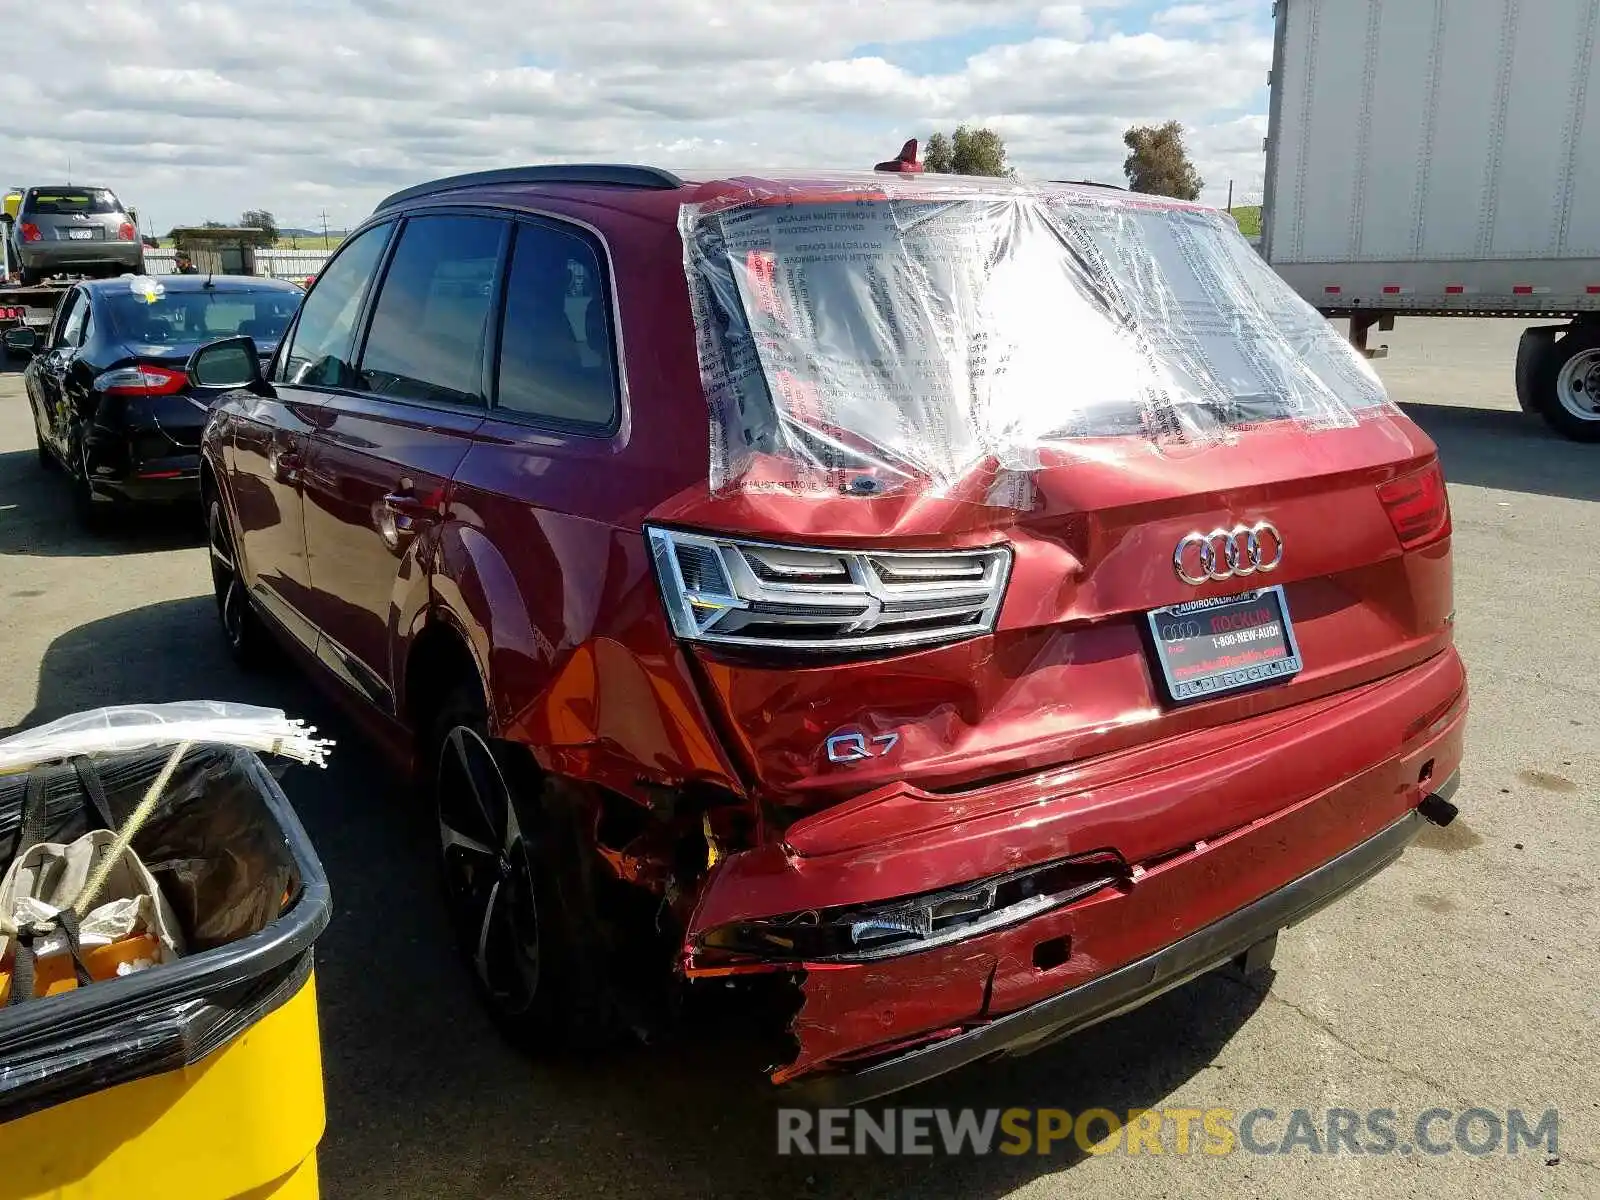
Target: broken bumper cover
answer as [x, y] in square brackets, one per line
[1129, 986]
[1205, 830]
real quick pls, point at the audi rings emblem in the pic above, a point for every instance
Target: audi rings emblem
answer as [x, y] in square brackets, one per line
[1228, 553]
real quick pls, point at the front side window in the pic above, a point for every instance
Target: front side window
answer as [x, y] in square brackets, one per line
[320, 353]
[428, 327]
[555, 350]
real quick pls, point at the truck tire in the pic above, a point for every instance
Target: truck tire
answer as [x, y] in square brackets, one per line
[1564, 382]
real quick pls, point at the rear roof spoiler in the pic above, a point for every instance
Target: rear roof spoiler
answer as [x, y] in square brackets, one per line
[607, 174]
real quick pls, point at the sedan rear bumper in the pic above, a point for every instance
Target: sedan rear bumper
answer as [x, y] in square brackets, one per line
[1128, 986]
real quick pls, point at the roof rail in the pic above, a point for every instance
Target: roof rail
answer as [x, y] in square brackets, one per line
[617, 174]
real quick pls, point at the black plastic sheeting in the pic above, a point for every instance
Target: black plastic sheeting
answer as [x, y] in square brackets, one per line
[227, 849]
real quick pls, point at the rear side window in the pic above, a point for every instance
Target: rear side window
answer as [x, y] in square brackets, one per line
[427, 336]
[555, 350]
[319, 355]
[72, 328]
[66, 201]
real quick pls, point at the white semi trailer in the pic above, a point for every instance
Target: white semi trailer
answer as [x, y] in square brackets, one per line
[1442, 158]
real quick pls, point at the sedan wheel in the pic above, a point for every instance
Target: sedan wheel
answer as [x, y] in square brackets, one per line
[488, 873]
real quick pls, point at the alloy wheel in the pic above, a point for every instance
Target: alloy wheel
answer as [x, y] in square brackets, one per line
[488, 871]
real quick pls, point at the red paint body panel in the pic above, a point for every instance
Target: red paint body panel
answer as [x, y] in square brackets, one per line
[852, 1009]
[1048, 738]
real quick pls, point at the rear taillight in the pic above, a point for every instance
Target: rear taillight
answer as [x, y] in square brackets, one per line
[1418, 506]
[126, 232]
[31, 232]
[800, 598]
[11, 314]
[141, 381]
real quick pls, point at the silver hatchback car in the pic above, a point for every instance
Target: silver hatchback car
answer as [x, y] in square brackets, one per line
[74, 230]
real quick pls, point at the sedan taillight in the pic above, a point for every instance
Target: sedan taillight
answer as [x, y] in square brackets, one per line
[1418, 506]
[141, 381]
[31, 232]
[126, 232]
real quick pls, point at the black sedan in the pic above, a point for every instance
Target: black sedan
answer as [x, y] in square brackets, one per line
[112, 404]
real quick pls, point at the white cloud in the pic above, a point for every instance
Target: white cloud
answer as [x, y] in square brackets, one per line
[195, 111]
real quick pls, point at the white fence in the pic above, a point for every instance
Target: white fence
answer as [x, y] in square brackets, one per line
[278, 264]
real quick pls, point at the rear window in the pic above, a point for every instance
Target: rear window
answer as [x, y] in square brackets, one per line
[179, 317]
[67, 201]
[912, 337]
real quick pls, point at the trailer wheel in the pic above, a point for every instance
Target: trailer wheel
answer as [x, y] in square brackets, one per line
[1565, 383]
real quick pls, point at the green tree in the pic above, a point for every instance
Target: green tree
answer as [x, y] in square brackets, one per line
[968, 152]
[1158, 164]
[260, 218]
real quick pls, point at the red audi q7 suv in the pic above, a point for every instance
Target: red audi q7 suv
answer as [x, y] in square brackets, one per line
[980, 605]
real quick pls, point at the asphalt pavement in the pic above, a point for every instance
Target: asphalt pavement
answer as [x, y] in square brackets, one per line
[1466, 976]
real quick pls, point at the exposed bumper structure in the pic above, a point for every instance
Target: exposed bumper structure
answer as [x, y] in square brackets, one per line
[1227, 838]
[1129, 986]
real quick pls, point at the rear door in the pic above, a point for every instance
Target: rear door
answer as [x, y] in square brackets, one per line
[386, 447]
[266, 440]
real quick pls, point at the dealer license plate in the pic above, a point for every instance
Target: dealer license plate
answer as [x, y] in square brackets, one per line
[1208, 648]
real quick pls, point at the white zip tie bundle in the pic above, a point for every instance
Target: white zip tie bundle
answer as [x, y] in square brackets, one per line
[130, 727]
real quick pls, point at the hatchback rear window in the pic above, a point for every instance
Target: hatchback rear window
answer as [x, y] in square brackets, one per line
[915, 332]
[68, 201]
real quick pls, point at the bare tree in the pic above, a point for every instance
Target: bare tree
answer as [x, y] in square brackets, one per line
[1159, 163]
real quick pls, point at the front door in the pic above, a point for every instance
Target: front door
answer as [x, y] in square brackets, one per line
[266, 447]
[385, 450]
[47, 375]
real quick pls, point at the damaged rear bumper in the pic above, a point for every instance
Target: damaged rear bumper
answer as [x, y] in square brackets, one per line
[1129, 986]
[1236, 821]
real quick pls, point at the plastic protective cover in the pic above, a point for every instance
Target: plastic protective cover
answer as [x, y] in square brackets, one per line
[250, 898]
[123, 728]
[879, 332]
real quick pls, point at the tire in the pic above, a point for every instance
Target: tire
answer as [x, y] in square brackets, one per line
[47, 458]
[242, 633]
[511, 892]
[30, 276]
[1565, 384]
[93, 515]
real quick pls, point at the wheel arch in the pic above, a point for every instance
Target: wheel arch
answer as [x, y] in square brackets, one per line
[439, 659]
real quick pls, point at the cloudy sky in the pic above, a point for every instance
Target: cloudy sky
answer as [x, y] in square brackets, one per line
[199, 110]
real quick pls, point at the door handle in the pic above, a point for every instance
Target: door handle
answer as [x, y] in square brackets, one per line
[286, 465]
[402, 513]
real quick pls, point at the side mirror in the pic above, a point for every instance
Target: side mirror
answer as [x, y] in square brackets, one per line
[231, 363]
[22, 341]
